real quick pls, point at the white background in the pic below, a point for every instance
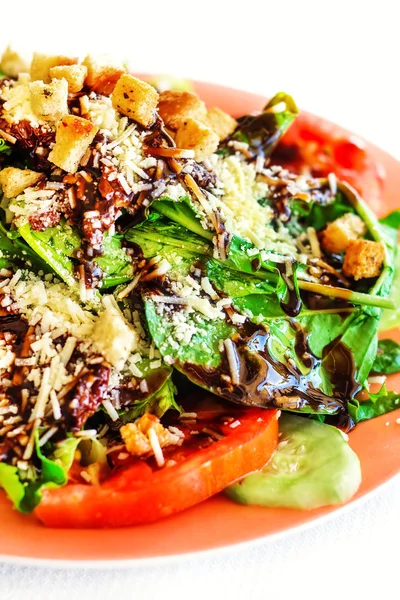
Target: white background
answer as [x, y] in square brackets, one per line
[338, 59]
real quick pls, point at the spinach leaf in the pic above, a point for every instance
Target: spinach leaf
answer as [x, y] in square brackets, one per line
[57, 246]
[114, 262]
[157, 403]
[392, 220]
[15, 249]
[47, 245]
[378, 404]
[387, 358]
[182, 213]
[262, 132]
[317, 215]
[391, 318]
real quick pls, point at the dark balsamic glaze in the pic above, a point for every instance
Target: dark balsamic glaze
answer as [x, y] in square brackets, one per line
[266, 382]
[14, 324]
[291, 305]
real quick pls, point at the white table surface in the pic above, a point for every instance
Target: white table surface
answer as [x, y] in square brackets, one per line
[338, 59]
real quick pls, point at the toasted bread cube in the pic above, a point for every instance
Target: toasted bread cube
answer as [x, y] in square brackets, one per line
[102, 77]
[74, 74]
[49, 101]
[42, 63]
[12, 64]
[193, 135]
[137, 438]
[73, 137]
[363, 259]
[220, 122]
[15, 181]
[337, 235]
[136, 99]
[176, 106]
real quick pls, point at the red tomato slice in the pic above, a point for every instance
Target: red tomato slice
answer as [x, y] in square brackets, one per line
[325, 148]
[237, 441]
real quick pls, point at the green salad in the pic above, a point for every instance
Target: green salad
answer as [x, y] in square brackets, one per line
[185, 297]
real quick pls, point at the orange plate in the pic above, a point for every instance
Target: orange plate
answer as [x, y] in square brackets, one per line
[217, 522]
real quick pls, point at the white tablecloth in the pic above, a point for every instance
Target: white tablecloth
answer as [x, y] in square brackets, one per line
[338, 59]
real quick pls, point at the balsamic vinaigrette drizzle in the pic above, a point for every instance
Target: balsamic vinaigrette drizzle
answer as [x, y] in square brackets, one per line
[266, 382]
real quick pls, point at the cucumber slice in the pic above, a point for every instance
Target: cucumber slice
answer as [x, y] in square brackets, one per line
[313, 466]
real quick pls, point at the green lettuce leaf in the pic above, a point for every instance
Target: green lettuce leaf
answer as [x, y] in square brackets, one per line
[11, 484]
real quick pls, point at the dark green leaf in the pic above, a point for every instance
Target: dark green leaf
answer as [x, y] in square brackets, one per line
[263, 132]
[392, 219]
[379, 404]
[387, 358]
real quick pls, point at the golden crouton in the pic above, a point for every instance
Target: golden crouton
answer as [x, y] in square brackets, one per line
[363, 259]
[337, 235]
[101, 78]
[193, 135]
[220, 122]
[136, 435]
[15, 181]
[42, 63]
[12, 63]
[73, 137]
[136, 99]
[176, 106]
[74, 74]
[49, 101]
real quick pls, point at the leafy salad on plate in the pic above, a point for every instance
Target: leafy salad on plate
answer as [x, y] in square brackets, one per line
[189, 302]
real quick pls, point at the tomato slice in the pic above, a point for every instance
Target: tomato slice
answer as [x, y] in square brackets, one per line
[323, 148]
[228, 442]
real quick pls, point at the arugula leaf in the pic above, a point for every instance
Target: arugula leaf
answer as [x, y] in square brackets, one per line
[387, 358]
[379, 404]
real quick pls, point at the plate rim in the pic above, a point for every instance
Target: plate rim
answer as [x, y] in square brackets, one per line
[156, 561]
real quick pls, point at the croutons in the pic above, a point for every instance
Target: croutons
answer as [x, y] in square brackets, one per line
[337, 235]
[220, 122]
[363, 259]
[73, 137]
[102, 77]
[74, 74]
[193, 135]
[15, 181]
[176, 106]
[136, 436]
[49, 101]
[42, 63]
[136, 99]
[12, 63]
